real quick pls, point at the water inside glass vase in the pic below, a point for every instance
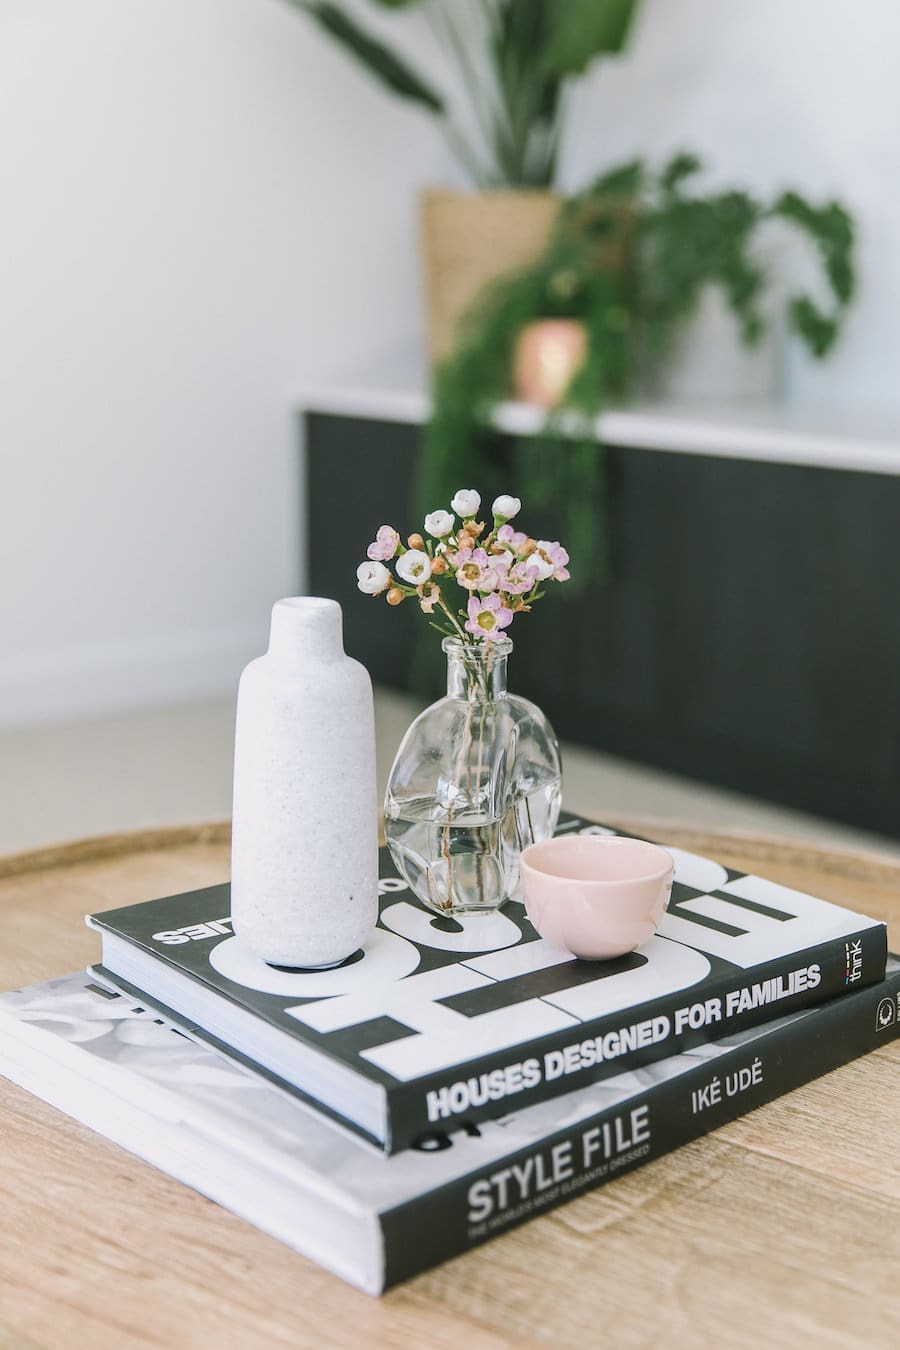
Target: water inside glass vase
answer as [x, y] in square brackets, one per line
[476, 779]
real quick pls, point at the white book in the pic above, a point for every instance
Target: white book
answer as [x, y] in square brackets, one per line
[231, 1134]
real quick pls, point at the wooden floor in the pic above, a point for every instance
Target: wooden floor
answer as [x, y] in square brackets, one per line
[780, 1230]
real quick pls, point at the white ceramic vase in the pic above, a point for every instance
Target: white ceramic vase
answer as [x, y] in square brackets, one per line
[304, 852]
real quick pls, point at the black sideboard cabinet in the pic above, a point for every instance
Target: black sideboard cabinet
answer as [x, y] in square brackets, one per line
[748, 634]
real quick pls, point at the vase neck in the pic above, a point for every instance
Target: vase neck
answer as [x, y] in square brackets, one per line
[305, 628]
[476, 672]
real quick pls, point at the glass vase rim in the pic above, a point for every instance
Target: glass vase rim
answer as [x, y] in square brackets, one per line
[483, 651]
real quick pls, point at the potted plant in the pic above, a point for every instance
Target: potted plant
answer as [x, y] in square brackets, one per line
[624, 271]
[511, 63]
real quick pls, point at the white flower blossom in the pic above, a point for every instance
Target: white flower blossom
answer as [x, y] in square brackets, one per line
[414, 567]
[505, 508]
[372, 578]
[439, 523]
[466, 503]
[543, 559]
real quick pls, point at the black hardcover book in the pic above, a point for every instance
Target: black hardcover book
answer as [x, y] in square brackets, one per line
[440, 1023]
[375, 1220]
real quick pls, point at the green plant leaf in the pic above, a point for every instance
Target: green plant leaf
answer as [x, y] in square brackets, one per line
[529, 92]
[624, 181]
[831, 228]
[384, 64]
[585, 29]
[680, 167]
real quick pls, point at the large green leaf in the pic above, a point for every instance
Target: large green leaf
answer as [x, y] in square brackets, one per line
[386, 66]
[528, 90]
[585, 29]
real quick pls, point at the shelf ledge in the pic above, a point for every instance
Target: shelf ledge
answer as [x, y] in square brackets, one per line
[771, 432]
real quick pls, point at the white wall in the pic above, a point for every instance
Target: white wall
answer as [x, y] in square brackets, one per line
[204, 206]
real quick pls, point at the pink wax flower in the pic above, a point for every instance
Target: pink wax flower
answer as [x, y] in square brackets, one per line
[474, 570]
[513, 539]
[551, 560]
[385, 545]
[488, 617]
[500, 564]
[519, 579]
[500, 570]
[429, 595]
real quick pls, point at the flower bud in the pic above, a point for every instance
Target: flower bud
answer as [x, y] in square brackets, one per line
[416, 541]
[506, 507]
[438, 566]
[466, 502]
[528, 548]
[475, 530]
[439, 523]
[394, 596]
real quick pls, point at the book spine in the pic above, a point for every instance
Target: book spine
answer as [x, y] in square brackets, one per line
[602, 1046]
[442, 1224]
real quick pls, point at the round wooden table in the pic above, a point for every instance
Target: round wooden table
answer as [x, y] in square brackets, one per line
[780, 1229]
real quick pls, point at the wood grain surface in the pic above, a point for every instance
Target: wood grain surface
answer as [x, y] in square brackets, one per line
[779, 1230]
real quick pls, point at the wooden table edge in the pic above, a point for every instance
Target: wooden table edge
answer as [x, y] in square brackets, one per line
[857, 863]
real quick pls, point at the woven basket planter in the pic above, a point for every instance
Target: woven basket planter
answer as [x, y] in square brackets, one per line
[468, 240]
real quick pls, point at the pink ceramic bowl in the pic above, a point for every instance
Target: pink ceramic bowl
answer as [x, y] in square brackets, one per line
[598, 896]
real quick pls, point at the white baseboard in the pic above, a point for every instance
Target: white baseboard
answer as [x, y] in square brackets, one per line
[51, 686]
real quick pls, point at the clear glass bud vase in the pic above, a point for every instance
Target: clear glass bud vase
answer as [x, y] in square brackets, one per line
[476, 779]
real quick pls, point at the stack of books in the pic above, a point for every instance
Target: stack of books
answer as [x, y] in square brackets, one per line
[455, 1078]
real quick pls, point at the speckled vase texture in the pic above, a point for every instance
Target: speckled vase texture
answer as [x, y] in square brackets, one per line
[304, 852]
